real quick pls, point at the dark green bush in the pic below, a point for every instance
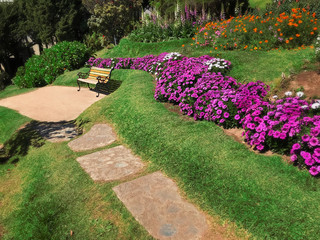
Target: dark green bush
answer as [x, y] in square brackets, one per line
[4, 79]
[42, 70]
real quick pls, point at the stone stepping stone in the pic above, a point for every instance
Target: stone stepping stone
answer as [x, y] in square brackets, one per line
[111, 164]
[155, 203]
[100, 135]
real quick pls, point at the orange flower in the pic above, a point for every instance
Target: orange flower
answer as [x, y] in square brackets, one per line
[297, 35]
[279, 29]
[216, 48]
[266, 41]
[255, 29]
[287, 41]
[245, 47]
[315, 28]
[299, 21]
[197, 42]
[276, 24]
[182, 45]
[260, 42]
[281, 34]
[255, 48]
[260, 32]
[290, 38]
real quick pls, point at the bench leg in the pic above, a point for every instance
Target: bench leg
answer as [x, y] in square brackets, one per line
[78, 85]
[97, 91]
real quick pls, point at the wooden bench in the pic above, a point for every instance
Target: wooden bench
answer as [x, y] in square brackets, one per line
[95, 76]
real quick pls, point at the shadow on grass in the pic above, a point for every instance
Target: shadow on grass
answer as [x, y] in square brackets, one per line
[20, 142]
[108, 88]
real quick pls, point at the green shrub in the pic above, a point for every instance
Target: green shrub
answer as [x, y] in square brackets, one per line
[94, 41]
[42, 70]
[4, 79]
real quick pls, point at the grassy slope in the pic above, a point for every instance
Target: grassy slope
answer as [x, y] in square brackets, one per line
[262, 194]
[10, 121]
[13, 90]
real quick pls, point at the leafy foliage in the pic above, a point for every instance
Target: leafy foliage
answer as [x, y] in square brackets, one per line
[157, 33]
[114, 19]
[42, 70]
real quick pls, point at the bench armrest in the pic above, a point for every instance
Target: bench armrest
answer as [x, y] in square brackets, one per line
[83, 75]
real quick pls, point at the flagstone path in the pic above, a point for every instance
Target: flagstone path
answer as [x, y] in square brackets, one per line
[111, 164]
[153, 200]
[155, 203]
[100, 135]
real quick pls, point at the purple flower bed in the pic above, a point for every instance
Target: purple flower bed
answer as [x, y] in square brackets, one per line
[202, 90]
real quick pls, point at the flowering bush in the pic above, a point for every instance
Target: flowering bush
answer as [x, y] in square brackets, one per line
[204, 92]
[251, 32]
[317, 48]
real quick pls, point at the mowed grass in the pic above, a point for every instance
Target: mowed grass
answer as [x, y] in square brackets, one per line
[10, 121]
[13, 90]
[47, 195]
[266, 196]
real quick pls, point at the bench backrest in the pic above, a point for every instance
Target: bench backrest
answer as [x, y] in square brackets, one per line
[96, 72]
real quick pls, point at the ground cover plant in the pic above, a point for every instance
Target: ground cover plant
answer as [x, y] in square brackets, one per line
[201, 89]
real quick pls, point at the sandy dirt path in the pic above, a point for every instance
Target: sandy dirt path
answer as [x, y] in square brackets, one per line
[52, 103]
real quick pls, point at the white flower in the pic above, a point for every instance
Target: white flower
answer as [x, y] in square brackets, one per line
[275, 96]
[315, 105]
[288, 93]
[300, 94]
[304, 106]
[317, 100]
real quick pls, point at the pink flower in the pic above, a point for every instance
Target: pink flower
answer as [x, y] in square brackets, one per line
[314, 171]
[293, 157]
[313, 142]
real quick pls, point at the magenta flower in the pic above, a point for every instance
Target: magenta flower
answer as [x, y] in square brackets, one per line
[309, 162]
[314, 171]
[305, 155]
[317, 152]
[296, 146]
[293, 157]
[305, 138]
[314, 142]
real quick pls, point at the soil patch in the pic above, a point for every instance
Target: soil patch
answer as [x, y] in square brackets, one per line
[308, 82]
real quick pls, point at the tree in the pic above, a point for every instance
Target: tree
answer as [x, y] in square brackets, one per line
[114, 19]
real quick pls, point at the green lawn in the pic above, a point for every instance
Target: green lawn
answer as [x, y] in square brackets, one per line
[10, 121]
[13, 90]
[45, 194]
